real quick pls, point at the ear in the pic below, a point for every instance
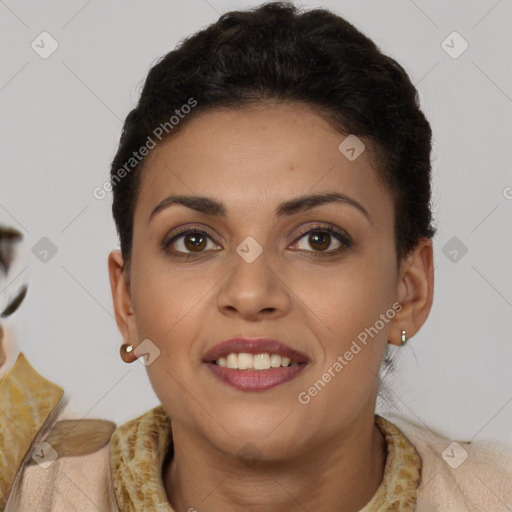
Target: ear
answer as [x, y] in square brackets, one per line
[415, 291]
[121, 296]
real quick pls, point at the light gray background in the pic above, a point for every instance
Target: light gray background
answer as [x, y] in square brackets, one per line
[61, 121]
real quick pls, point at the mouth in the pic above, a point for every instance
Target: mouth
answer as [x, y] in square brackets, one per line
[254, 364]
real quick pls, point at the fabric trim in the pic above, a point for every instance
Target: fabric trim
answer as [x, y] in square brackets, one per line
[137, 452]
[402, 473]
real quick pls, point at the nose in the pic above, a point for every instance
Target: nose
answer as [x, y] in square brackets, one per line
[253, 290]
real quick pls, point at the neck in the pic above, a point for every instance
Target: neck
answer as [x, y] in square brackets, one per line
[341, 475]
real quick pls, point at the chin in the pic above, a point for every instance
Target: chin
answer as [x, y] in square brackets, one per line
[272, 434]
[250, 448]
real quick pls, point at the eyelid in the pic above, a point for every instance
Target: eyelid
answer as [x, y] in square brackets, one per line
[326, 226]
[185, 230]
[341, 236]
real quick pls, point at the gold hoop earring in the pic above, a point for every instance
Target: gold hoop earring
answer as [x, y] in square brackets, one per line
[404, 339]
[127, 354]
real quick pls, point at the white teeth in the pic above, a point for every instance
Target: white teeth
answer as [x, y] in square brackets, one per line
[261, 362]
[275, 361]
[244, 361]
[232, 361]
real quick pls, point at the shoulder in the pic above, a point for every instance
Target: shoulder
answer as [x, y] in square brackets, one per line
[80, 482]
[69, 470]
[49, 459]
[458, 475]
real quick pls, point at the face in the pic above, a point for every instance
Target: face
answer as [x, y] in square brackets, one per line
[314, 278]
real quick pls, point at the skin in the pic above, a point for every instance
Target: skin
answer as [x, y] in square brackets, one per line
[327, 455]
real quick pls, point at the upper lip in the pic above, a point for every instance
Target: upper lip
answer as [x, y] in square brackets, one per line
[254, 346]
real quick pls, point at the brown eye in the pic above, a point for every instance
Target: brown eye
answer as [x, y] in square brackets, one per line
[321, 238]
[194, 241]
[188, 242]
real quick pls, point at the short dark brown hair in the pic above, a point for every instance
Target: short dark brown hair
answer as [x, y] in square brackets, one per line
[276, 52]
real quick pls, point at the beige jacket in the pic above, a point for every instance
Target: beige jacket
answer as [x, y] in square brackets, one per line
[121, 471]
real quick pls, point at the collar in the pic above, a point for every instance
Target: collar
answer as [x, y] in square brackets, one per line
[402, 473]
[138, 450]
[28, 403]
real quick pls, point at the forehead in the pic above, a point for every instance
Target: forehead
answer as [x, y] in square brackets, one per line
[254, 157]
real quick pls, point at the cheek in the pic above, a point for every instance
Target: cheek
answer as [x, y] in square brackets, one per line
[169, 306]
[350, 298]
[172, 321]
[355, 312]
[164, 298]
[353, 337]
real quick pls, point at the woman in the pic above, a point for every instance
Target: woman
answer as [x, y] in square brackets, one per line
[272, 199]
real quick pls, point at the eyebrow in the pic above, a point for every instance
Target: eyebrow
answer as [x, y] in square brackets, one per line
[212, 207]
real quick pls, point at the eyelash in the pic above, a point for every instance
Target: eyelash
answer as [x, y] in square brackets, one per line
[339, 235]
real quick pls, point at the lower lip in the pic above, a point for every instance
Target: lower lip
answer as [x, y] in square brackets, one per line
[255, 380]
